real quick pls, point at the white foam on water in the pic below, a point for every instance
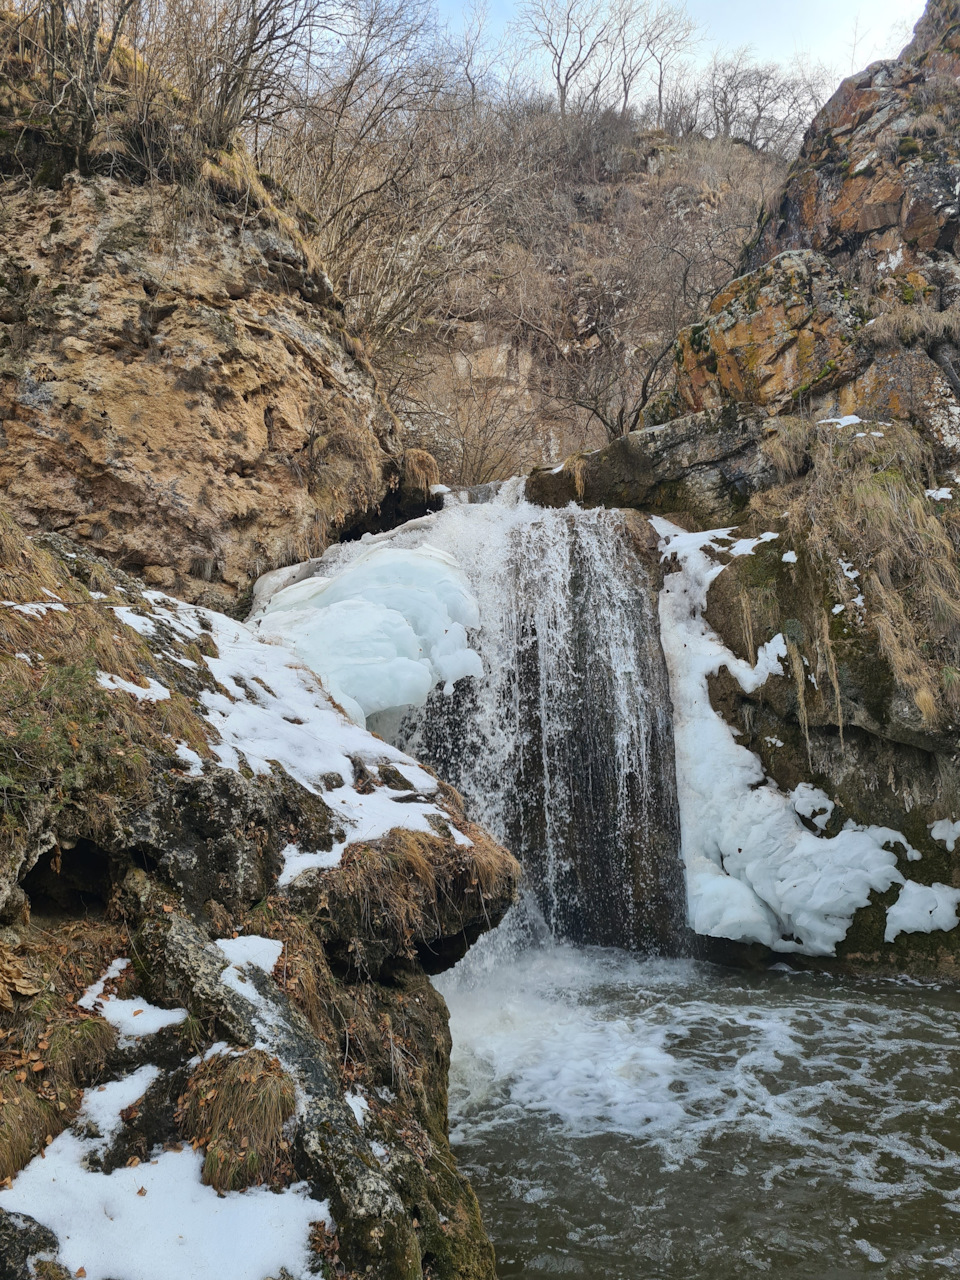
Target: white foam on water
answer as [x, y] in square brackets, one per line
[675, 1052]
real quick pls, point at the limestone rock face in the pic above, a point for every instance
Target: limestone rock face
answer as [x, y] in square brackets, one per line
[132, 828]
[792, 337]
[176, 387]
[867, 224]
[770, 337]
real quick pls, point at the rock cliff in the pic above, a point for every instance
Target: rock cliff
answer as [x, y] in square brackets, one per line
[816, 408]
[177, 388]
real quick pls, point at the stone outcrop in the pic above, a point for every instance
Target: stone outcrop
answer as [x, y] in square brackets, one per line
[849, 302]
[839, 718]
[177, 388]
[874, 188]
[707, 464]
[794, 336]
[771, 339]
[849, 306]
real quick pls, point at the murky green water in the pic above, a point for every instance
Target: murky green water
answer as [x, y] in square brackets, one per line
[630, 1119]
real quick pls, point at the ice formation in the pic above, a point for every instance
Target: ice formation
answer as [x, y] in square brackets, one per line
[754, 871]
[564, 743]
[381, 633]
[273, 710]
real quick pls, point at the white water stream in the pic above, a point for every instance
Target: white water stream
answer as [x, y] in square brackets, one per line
[643, 1118]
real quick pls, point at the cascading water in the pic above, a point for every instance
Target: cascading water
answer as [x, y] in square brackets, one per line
[594, 1094]
[564, 749]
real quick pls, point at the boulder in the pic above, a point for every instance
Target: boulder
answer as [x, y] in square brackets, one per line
[773, 339]
[705, 463]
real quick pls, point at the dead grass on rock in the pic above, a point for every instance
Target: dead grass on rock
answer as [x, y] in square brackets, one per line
[49, 1049]
[234, 1108]
[910, 326]
[856, 496]
[391, 897]
[60, 731]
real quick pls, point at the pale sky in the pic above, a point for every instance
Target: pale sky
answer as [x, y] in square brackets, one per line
[844, 34]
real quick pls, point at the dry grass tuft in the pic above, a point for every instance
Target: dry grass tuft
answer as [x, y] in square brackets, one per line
[787, 448]
[576, 466]
[49, 1049]
[235, 1107]
[26, 1122]
[800, 683]
[419, 471]
[389, 897]
[912, 326]
[862, 500]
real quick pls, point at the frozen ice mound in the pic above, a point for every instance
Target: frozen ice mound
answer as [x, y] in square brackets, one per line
[384, 631]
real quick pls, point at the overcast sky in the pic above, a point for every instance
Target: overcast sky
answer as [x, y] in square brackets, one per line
[845, 34]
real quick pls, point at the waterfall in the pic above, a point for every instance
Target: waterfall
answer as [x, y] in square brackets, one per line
[564, 750]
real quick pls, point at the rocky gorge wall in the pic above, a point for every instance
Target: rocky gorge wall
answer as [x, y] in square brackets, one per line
[220, 901]
[189, 820]
[815, 409]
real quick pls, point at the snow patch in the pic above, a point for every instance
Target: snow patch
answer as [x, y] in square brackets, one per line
[144, 626]
[157, 1221]
[35, 609]
[295, 861]
[809, 800]
[154, 692]
[270, 710]
[946, 831]
[358, 1105]
[263, 953]
[186, 755]
[922, 908]
[132, 1018]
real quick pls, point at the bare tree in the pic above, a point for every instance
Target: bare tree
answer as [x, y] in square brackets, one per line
[763, 104]
[599, 294]
[672, 32]
[234, 61]
[480, 422]
[389, 149]
[573, 36]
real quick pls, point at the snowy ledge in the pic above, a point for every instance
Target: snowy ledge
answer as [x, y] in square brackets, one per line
[754, 871]
[271, 710]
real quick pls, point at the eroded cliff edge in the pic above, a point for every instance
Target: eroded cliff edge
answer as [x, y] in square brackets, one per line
[177, 387]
